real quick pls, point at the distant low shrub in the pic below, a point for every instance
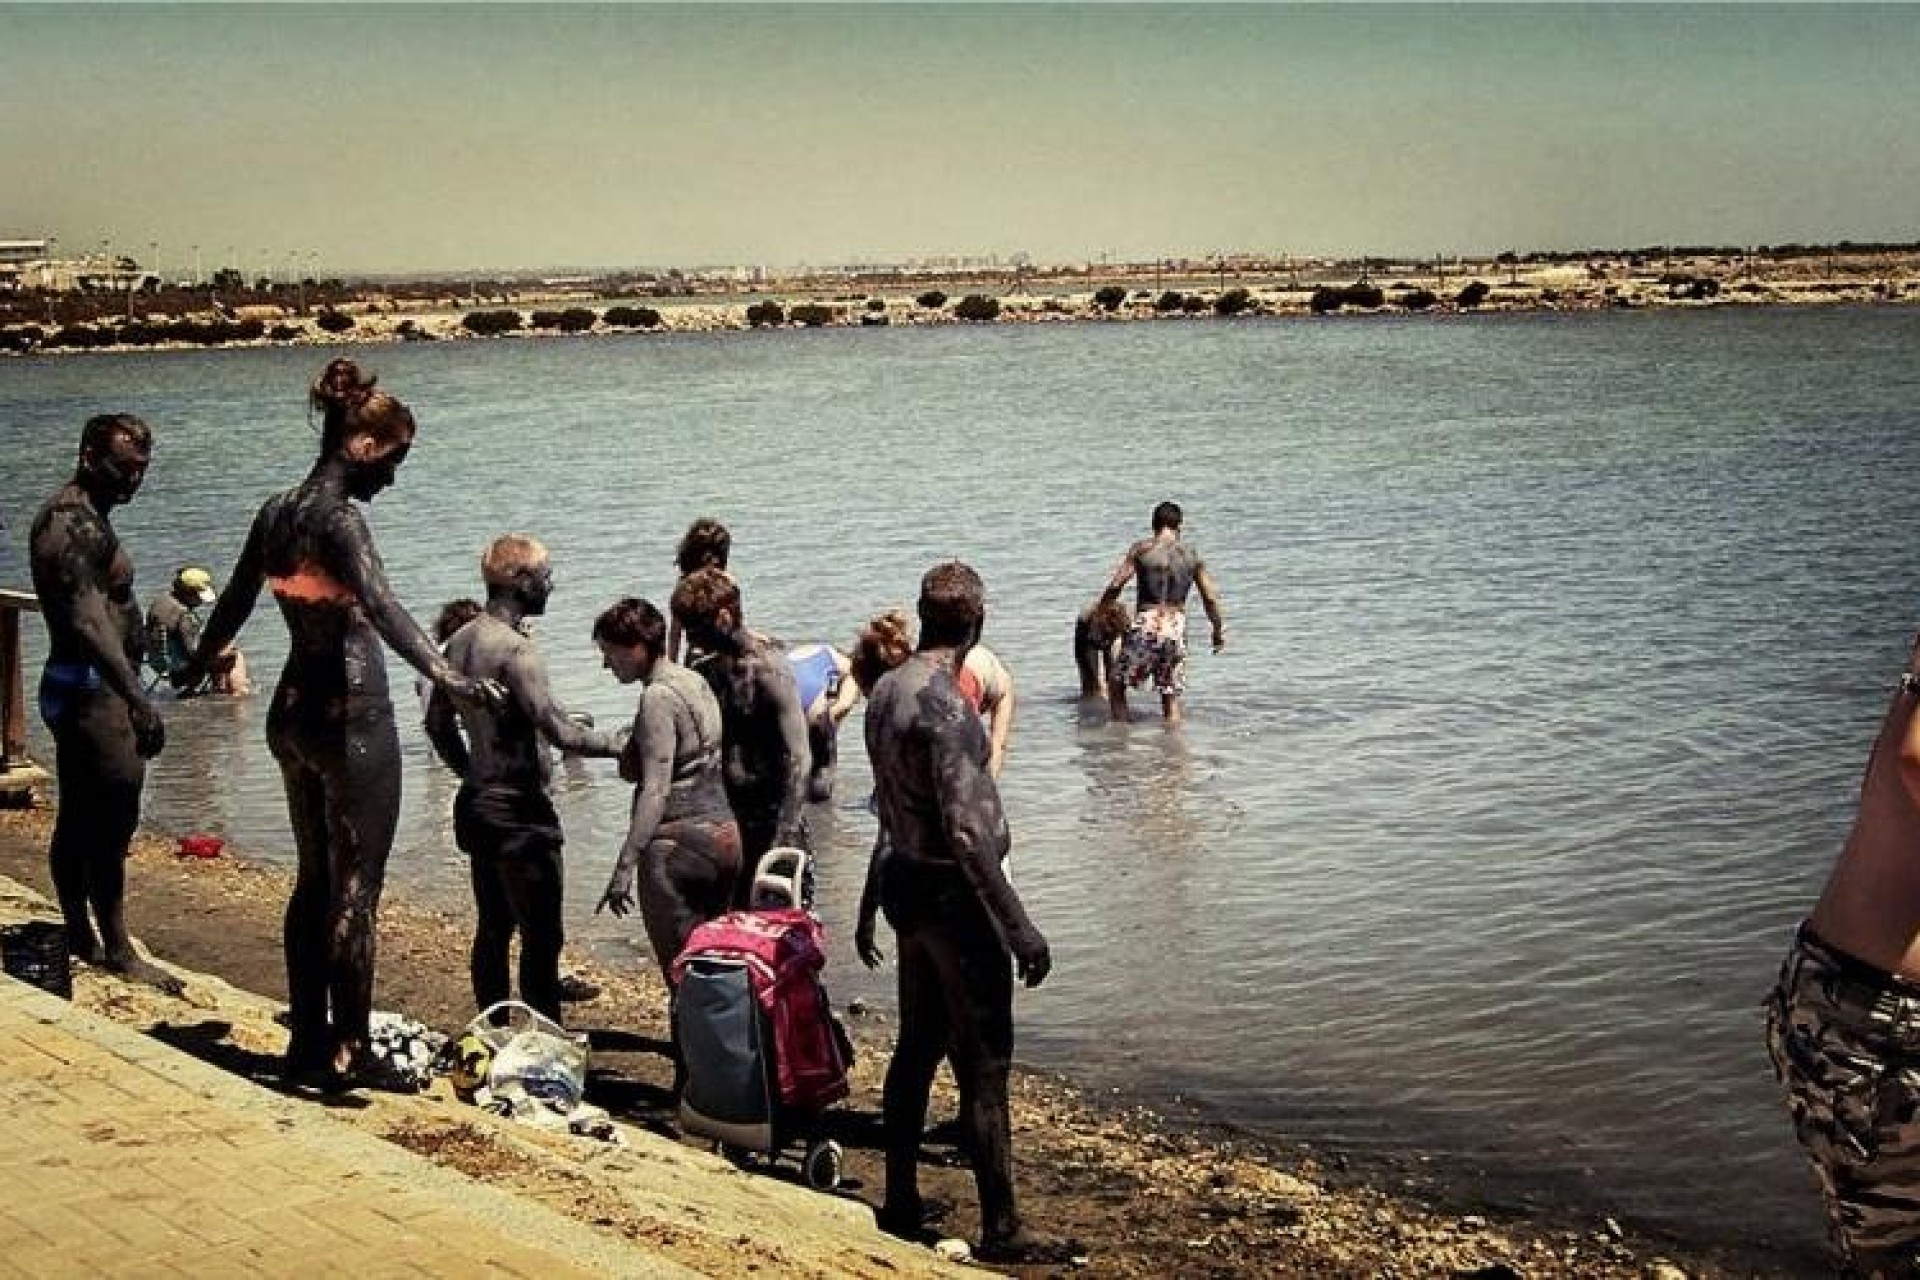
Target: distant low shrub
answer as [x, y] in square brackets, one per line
[1110, 297]
[811, 314]
[1417, 299]
[1171, 300]
[331, 321]
[1473, 295]
[24, 338]
[491, 323]
[1329, 298]
[571, 320]
[284, 333]
[137, 333]
[1232, 302]
[1193, 304]
[632, 318]
[976, 307]
[762, 314]
[876, 304]
[932, 299]
[80, 337]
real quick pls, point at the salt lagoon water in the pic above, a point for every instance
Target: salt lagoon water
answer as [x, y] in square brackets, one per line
[1556, 644]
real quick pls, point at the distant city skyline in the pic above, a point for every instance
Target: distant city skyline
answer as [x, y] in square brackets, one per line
[393, 139]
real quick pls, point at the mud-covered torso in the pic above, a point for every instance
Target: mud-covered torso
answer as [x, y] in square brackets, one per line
[75, 552]
[503, 742]
[695, 788]
[929, 753]
[1164, 572]
[310, 539]
[754, 755]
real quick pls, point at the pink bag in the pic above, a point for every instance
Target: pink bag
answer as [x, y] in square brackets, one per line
[783, 954]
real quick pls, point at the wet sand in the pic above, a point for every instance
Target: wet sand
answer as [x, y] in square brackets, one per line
[1144, 1195]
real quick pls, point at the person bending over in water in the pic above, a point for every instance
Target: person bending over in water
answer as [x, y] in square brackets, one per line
[681, 857]
[1843, 1021]
[1166, 570]
[503, 818]
[764, 733]
[705, 545]
[330, 723]
[827, 697]
[104, 727]
[1097, 633]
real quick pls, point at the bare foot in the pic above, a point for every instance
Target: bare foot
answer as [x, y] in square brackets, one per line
[1021, 1249]
[134, 969]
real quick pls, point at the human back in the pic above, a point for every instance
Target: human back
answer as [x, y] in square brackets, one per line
[1163, 572]
[503, 741]
[1870, 906]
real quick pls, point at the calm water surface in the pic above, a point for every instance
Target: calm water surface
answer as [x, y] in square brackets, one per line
[1556, 647]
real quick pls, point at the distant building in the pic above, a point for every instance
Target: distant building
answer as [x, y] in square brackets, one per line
[16, 256]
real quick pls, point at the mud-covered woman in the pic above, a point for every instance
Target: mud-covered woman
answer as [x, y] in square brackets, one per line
[330, 724]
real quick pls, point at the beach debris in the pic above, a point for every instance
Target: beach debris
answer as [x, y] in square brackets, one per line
[954, 1249]
[407, 1048]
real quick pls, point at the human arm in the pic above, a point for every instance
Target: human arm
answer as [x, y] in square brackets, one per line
[1000, 723]
[778, 687]
[846, 691]
[976, 830]
[863, 943]
[361, 569]
[234, 606]
[1121, 575]
[443, 731]
[525, 676]
[651, 750]
[1210, 601]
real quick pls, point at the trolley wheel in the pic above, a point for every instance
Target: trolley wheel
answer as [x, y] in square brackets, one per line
[823, 1164]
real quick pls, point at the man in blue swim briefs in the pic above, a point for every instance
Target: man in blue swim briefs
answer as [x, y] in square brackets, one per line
[105, 729]
[1164, 570]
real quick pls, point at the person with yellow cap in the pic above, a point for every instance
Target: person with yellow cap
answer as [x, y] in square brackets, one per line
[173, 632]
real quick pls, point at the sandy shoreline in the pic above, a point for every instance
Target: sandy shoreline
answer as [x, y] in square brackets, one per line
[1473, 289]
[1144, 1195]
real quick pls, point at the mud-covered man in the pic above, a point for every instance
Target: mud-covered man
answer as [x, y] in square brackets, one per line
[1165, 570]
[1843, 1023]
[503, 817]
[961, 929]
[765, 751]
[104, 727]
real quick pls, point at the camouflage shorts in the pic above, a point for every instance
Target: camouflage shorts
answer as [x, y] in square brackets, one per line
[1845, 1041]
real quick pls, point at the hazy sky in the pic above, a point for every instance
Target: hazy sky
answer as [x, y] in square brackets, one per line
[389, 138]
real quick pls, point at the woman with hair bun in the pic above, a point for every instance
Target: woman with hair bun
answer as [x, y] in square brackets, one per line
[330, 725]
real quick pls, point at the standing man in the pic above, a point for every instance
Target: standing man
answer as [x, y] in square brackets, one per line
[503, 818]
[104, 727]
[960, 926]
[765, 750]
[1166, 569]
[1843, 1023]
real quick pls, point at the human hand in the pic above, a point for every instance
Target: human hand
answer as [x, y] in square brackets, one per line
[863, 944]
[477, 695]
[149, 734]
[619, 895]
[1032, 957]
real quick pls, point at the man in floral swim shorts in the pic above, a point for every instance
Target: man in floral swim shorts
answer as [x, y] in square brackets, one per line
[1165, 570]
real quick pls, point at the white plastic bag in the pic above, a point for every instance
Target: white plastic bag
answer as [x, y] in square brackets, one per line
[534, 1058]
